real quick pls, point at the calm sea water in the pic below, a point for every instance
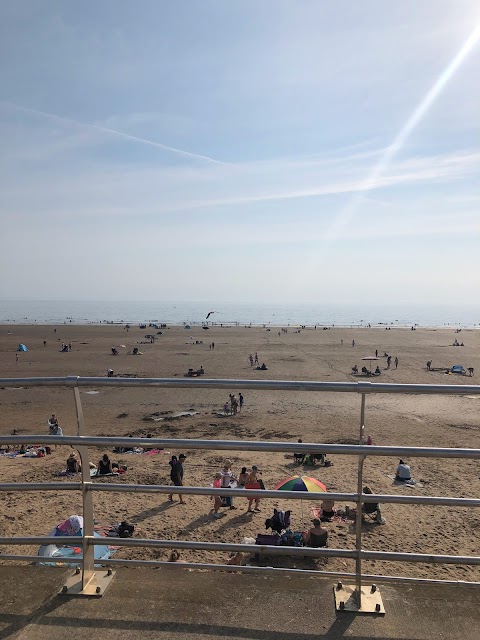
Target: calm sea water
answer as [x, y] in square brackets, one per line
[56, 312]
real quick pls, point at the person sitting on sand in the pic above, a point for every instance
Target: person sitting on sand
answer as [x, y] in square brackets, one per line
[377, 371]
[104, 466]
[174, 556]
[73, 465]
[372, 507]
[355, 370]
[327, 510]
[317, 536]
[263, 367]
[299, 458]
[403, 472]
[114, 352]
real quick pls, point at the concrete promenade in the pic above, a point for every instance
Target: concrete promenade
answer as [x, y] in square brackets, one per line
[163, 604]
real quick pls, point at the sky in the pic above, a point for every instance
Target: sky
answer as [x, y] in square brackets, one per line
[243, 151]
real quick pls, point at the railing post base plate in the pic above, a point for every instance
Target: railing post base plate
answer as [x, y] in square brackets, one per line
[346, 600]
[96, 587]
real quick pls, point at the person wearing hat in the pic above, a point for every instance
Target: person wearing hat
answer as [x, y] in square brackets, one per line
[317, 536]
[73, 465]
[176, 474]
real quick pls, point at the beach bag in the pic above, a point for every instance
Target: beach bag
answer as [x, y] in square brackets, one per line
[125, 529]
[253, 485]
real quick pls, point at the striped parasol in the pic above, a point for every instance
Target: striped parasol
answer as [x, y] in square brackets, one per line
[301, 483]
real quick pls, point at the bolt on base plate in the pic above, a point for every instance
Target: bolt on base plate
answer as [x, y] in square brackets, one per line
[346, 600]
[96, 587]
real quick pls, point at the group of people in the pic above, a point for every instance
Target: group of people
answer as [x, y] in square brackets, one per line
[224, 479]
[309, 459]
[234, 404]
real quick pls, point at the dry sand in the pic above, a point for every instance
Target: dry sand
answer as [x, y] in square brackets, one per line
[334, 418]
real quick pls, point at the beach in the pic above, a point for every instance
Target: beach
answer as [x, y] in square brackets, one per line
[306, 354]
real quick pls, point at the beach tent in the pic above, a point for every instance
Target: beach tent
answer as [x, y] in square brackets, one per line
[50, 551]
[22, 347]
[457, 368]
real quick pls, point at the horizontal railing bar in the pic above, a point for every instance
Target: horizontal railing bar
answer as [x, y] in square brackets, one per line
[41, 559]
[46, 540]
[222, 383]
[244, 493]
[287, 495]
[247, 445]
[40, 486]
[250, 569]
[248, 548]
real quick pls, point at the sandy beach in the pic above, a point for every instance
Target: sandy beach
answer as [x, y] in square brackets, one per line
[324, 355]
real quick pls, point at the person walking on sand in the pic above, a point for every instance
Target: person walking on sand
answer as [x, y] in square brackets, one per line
[253, 482]
[429, 365]
[16, 358]
[176, 474]
[396, 362]
[256, 358]
[240, 401]
[389, 360]
[376, 353]
[353, 343]
[213, 346]
[250, 358]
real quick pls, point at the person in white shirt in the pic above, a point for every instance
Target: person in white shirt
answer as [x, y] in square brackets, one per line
[403, 472]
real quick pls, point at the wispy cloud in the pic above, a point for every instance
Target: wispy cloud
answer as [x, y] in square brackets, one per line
[107, 130]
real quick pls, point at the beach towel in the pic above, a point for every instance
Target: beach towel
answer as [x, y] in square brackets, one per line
[400, 483]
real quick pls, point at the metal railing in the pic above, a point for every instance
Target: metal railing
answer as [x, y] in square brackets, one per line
[361, 451]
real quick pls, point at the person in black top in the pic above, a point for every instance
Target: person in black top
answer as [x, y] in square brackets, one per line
[104, 466]
[176, 474]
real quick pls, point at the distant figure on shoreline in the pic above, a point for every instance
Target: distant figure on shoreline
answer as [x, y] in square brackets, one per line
[429, 365]
[353, 343]
[396, 362]
[256, 358]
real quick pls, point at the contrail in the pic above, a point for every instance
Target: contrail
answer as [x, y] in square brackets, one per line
[407, 129]
[114, 132]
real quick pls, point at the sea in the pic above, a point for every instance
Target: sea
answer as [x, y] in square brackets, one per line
[238, 314]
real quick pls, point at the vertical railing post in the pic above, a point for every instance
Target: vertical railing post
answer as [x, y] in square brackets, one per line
[358, 524]
[88, 562]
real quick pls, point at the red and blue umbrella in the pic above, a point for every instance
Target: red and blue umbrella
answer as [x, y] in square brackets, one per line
[301, 483]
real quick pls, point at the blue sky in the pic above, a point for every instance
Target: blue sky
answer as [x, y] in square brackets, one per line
[240, 150]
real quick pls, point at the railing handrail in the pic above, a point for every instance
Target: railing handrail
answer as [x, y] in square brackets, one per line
[247, 445]
[361, 451]
[360, 386]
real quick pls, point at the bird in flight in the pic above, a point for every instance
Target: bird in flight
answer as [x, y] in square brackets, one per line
[209, 314]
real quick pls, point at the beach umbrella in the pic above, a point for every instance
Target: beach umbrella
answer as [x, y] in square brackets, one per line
[301, 483]
[370, 359]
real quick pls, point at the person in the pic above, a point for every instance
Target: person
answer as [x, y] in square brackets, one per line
[299, 458]
[369, 440]
[429, 365]
[176, 474]
[377, 371]
[44, 343]
[73, 465]
[317, 536]
[403, 472]
[327, 510]
[72, 526]
[234, 404]
[353, 343]
[250, 357]
[54, 428]
[175, 557]
[389, 360]
[240, 401]
[16, 358]
[227, 478]
[355, 370]
[396, 362]
[114, 351]
[104, 465]
[372, 507]
[253, 482]
[256, 357]
[263, 367]
[110, 373]
[376, 353]
[243, 477]
[471, 371]
[217, 500]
